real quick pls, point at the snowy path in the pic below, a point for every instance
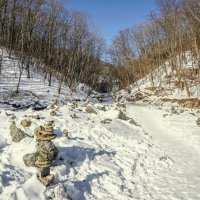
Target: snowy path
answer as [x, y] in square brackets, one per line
[178, 136]
[115, 161]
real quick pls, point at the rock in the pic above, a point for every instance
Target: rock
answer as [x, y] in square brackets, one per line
[47, 180]
[90, 109]
[53, 113]
[198, 122]
[39, 106]
[43, 136]
[35, 116]
[74, 116]
[101, 107]
[16, 133]
[173, 110]
[106, 121]
[47, 134]
[30, 159]
[131, 121]
[181, 111]
[165, 115]
[42, 172]
[12, 118]
[38, 129]
[26, 123]
[122, 116]
[74, 105]
[66, 133]
[48, 147]
[121, 105]
[42, 160]
[49, 122]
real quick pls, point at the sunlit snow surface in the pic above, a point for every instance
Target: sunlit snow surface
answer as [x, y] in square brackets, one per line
[157, 159]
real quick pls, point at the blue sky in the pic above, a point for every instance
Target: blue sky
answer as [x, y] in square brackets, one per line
[111, 16]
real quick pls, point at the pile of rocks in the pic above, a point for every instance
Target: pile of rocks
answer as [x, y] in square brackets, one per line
[45, 154]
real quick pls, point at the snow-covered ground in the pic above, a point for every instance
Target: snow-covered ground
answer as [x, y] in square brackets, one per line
[98, 161]
[179, 137]
[157, 158]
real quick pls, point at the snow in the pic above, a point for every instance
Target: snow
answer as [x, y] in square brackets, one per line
[178, 136]
[158, 158]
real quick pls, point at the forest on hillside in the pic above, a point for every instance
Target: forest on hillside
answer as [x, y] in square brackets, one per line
[65, 44]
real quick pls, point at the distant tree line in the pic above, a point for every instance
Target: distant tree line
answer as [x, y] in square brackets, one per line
[166, 36]
[45, 34]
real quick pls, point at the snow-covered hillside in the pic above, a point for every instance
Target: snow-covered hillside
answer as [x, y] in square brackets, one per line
[162, 86]
[114, 151]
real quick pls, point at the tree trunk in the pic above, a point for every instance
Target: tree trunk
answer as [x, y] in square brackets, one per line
[60, 84]
[50, 79]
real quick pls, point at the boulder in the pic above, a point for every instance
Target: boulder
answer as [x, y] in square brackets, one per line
[132, 121]
[30, 159]
[26, 123]
[90, 109]
[16, 133]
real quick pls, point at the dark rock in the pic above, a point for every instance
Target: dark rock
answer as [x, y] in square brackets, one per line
[39, 106]
[132, 121]
[42, 172]
[30, 159]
